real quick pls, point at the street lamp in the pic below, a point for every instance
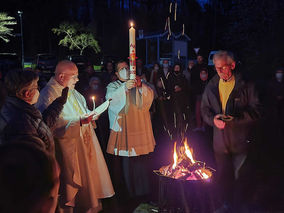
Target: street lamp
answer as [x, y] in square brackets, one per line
[20, 13]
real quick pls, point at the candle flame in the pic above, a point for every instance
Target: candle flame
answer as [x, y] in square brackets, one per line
[93, 98]
[175, 156]
[131, 24]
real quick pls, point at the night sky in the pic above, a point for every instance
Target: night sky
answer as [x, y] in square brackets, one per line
[250, 29]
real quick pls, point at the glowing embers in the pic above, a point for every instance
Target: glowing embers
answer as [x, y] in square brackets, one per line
[185, 167]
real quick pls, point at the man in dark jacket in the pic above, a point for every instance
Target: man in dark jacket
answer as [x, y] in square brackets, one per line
[231, 106]
[20, 120]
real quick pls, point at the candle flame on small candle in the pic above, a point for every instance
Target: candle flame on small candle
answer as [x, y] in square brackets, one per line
[94, 103]
[131, 24]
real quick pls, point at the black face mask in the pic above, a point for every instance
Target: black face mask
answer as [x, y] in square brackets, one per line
[176, 72]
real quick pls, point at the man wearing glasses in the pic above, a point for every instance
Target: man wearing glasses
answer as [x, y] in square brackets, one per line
[231, 106]
[85, 178]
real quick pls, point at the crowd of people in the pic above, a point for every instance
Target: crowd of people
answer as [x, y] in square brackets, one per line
[53, 143]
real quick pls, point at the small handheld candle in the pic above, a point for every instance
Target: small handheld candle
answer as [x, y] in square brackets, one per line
[94, 103]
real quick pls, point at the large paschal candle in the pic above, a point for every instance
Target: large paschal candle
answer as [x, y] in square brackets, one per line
[132, 52]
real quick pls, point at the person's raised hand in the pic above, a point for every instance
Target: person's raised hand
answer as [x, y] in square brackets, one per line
[64, 94]
[130, 84]
[218, 122]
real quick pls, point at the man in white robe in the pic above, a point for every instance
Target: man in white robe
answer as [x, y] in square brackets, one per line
[131, 135]
[85, 178]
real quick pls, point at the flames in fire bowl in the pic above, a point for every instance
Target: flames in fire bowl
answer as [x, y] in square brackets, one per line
[184, 167]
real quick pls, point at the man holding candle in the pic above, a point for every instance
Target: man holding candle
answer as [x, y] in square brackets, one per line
[131, 135]
[85, 178]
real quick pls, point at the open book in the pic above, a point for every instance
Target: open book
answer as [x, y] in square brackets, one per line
[103, 107]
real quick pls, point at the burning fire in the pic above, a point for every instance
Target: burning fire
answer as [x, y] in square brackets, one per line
[188, 152]
[175, 156]
[184, 166]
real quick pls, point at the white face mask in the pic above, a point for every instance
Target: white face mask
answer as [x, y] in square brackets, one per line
[124, 74]
[165, 65]
[279, 76]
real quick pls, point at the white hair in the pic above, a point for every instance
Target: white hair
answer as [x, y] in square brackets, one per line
[224, 55]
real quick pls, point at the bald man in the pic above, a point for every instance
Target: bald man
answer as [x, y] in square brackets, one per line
[85, 178]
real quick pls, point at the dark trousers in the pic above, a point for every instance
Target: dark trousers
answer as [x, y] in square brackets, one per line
[162, 108]
[234, 175]
[130, 176]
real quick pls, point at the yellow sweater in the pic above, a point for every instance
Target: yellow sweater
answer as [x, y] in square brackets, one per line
[225, 89]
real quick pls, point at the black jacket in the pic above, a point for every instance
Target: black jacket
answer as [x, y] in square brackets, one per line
[180, 100]
[22, 122]
[243, 105]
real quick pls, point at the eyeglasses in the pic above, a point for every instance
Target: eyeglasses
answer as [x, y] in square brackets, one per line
[223, 69]
[74, 77]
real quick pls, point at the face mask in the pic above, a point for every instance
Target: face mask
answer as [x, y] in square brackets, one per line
[279, 76]
[156, 68]
[203, 77]
[165, 65]
[95, 87]
[124, 74]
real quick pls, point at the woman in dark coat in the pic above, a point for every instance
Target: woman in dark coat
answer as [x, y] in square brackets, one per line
[179, 98]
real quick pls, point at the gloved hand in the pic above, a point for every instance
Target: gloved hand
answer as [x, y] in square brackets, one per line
[64, 94]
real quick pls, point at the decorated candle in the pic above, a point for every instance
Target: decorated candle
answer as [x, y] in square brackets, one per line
[132, 52]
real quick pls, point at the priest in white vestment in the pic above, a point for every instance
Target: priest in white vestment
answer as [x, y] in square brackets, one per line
[85, 178]
[131, 135]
